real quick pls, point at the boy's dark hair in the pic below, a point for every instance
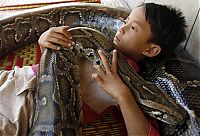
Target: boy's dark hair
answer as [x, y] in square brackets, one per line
[167, 26]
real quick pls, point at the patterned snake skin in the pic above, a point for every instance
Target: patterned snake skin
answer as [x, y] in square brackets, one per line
[172, 95]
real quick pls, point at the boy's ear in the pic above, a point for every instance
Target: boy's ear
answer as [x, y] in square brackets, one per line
[152, 51]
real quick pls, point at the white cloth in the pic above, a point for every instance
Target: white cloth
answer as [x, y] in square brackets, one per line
[16, 103]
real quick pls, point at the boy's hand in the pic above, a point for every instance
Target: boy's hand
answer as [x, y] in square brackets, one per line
[55, 37]
[109, 79]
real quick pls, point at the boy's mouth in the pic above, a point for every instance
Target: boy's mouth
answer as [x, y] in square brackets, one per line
[116, 38]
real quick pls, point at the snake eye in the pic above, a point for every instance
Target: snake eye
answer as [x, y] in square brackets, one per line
[98, 62]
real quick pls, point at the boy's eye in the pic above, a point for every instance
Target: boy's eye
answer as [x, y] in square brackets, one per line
[124, 21]
[134, 28]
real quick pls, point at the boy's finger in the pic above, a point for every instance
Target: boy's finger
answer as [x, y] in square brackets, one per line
[51, 46]
[63, 30]
[99, 69]
[66, 27]
[98, 79]
[104, 61]
[61, 36]
[114, 61]
[66, 32]
[58, 41]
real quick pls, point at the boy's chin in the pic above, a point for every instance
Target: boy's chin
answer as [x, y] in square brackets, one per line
[115, 42]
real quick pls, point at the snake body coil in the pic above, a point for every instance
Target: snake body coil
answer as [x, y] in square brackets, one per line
[58, 104]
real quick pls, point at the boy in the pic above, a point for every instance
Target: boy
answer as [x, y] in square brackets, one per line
[150, 30]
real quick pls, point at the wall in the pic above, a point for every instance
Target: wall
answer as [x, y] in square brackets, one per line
[190, 10]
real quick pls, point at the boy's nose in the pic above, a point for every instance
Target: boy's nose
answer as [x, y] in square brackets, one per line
[122, 30]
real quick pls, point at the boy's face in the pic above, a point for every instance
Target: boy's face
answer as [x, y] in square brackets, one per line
[132, 38]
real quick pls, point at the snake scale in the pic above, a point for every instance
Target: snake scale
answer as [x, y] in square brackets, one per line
[161, 92]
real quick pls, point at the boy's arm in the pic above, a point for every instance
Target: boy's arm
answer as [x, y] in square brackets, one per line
[108, 79]
[136, 122]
